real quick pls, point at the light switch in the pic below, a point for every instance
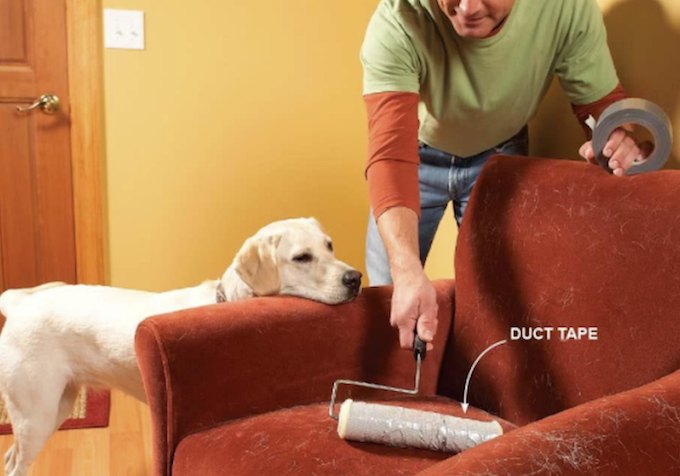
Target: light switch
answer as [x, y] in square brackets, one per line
[124, 29]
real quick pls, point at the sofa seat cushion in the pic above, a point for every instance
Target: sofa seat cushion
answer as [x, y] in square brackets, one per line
[304, 441]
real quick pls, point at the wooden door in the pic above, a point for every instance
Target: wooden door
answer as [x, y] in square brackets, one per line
[37, 237]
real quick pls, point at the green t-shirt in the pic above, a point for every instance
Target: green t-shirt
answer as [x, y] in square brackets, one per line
[477, 93]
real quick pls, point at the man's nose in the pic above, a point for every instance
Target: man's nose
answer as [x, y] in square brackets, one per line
[470, 7]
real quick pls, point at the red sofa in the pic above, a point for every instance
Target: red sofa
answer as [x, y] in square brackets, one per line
[242, 388]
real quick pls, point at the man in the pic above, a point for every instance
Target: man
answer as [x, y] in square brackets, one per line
[447, 84]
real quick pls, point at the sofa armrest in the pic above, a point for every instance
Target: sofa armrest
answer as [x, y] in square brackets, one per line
[628, 434]
[205, 366]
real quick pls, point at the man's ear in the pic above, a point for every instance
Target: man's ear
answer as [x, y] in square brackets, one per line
[257, 265]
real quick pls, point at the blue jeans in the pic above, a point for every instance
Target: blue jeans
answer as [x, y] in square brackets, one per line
[443, 178]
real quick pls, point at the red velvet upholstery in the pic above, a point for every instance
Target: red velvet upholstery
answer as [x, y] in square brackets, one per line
[543, 243]
[208, 366]
[306, 438]
[557, 243]
[633, 433]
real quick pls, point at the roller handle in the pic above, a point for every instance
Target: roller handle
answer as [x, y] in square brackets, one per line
[419, 348]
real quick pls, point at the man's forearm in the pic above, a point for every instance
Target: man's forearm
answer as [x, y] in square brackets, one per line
[414, 301]
[398, 228]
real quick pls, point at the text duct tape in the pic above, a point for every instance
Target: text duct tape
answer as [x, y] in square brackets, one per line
[640, 112]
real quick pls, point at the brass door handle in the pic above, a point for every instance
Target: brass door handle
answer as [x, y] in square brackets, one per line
[48, 103]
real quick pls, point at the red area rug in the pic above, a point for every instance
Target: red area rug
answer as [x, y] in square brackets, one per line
[91, 410]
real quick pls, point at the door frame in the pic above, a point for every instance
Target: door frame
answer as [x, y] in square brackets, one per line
[85, 75]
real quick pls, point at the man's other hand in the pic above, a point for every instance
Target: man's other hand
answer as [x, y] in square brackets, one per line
[622, 149]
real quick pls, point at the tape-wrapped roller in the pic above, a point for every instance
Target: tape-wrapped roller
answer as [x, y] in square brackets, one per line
[640, 112]
[407, 428]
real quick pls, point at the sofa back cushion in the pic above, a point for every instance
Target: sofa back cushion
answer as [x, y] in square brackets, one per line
[555, 243]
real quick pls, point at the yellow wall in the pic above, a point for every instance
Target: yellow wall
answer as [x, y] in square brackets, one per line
[236, 115]
[242, 113]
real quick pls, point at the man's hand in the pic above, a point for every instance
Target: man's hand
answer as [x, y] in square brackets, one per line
[414, 302]
[622, 149]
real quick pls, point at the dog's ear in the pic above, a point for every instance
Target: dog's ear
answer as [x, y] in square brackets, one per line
[257, 265]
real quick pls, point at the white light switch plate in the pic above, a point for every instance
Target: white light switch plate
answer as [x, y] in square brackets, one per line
[123, 29]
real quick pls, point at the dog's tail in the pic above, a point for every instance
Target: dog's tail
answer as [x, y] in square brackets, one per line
[10, 298]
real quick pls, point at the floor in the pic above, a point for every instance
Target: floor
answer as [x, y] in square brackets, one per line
[122, 449]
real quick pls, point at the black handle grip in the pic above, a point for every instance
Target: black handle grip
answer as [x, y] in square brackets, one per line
[419, 348]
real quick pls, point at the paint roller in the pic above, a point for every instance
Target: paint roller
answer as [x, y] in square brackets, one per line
[407, 428]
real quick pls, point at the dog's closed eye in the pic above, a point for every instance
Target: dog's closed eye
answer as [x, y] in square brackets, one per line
[303, 258]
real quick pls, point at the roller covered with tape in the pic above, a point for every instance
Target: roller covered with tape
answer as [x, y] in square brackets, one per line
[407, 428]
[643, 113]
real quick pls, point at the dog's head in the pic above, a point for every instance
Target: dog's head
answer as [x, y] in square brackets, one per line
[295, 257]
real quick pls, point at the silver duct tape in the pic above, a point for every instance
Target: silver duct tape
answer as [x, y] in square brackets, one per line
[645, 114]
[407, 428]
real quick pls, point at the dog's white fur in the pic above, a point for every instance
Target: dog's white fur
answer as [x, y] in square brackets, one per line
[59, 337]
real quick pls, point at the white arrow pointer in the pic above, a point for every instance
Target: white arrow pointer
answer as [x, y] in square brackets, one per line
[465, 404]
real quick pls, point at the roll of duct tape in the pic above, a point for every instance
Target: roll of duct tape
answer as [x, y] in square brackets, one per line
[640, 112]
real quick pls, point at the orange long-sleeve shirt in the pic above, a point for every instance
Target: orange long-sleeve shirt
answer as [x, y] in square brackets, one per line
[392, 168]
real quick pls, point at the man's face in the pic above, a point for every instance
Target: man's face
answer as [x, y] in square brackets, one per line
[475, 18]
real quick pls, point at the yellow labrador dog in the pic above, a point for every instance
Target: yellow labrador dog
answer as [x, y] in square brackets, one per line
[59, 337]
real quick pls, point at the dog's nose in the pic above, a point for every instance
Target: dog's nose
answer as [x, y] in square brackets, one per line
[352, 280]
